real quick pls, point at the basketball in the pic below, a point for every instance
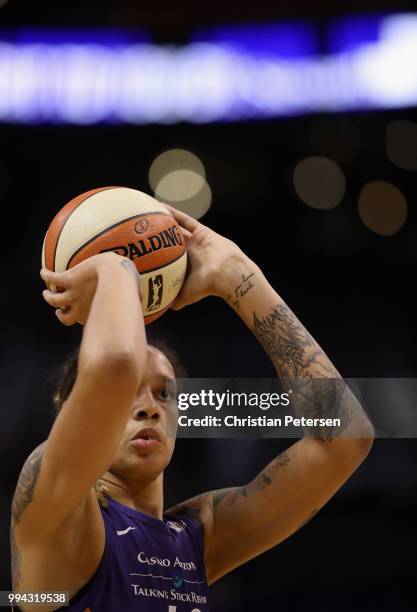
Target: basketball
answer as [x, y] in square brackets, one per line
[130, 223]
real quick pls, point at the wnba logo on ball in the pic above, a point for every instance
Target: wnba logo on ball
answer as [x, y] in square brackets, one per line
[155, 291]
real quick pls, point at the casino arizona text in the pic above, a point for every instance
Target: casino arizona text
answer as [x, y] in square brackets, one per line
[166, 239]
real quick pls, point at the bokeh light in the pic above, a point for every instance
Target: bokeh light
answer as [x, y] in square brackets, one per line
[401, 144]
[178, 177]
[319, 182]
[171, 161]
[382, 208]
[179, 185]
[3, 2]
[197, 206]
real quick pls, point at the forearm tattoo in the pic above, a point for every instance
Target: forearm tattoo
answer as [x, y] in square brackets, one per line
[318, 391]
[293, 351]
[22, 498]
[245, 285]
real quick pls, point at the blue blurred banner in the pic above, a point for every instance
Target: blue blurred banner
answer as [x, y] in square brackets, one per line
[286, 40]
[223, 74]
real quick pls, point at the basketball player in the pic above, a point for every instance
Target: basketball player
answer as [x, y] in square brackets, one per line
[87, 514]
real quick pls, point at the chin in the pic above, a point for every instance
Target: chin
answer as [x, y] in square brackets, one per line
[131, 462]
[146, 464]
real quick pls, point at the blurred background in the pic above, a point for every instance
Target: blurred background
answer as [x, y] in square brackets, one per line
[292, 127]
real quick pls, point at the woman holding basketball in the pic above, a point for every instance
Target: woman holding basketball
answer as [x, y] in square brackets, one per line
[116, 550]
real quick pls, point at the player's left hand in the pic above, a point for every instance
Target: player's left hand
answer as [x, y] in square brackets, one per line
[209, 255]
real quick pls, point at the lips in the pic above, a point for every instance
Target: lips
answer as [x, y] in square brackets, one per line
[147, 433]
[146, 438]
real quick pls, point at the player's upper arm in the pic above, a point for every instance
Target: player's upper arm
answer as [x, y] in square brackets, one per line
[242, 522]
[59, 474]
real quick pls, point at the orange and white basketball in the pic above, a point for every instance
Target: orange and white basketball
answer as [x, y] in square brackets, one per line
[132, 224]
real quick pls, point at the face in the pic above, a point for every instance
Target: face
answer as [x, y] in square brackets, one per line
[148, 440]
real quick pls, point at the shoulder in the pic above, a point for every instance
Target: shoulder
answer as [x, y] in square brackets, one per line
[79, 541]
[200, 510]
[32, 511]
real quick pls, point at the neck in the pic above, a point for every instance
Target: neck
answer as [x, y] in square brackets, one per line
[145, 496]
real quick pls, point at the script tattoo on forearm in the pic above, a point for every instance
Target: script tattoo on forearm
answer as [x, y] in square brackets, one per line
[21, 500]
[242, 288]
[318, 390]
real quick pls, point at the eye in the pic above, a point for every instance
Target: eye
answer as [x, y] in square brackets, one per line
[165, 394]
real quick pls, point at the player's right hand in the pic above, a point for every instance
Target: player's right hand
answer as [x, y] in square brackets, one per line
[75, 288]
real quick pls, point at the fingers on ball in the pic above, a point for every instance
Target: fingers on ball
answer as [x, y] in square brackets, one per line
[54, 278]
[58, 300]
[189, 223]
[66, 316]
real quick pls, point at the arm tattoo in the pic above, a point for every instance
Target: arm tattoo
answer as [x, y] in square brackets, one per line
[130, 267]
[246, 284]
[191, 508]
[16, 561]
[21, 500]
[261, 482]
[26, 484]
[318, 389]
[289, 345]
[266, 477]
[219, 495]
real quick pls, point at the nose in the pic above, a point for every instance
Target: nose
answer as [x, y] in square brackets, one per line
[147, 407]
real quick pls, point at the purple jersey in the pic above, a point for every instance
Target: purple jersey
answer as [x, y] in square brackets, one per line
[148, 565]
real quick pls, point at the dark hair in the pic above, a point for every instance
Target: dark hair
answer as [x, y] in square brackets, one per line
[65, 375]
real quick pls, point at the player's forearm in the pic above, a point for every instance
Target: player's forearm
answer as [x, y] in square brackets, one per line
[115, 323]
[318, 389]
[291, 348]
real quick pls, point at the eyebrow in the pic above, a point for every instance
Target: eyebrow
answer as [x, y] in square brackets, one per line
[168, 380]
